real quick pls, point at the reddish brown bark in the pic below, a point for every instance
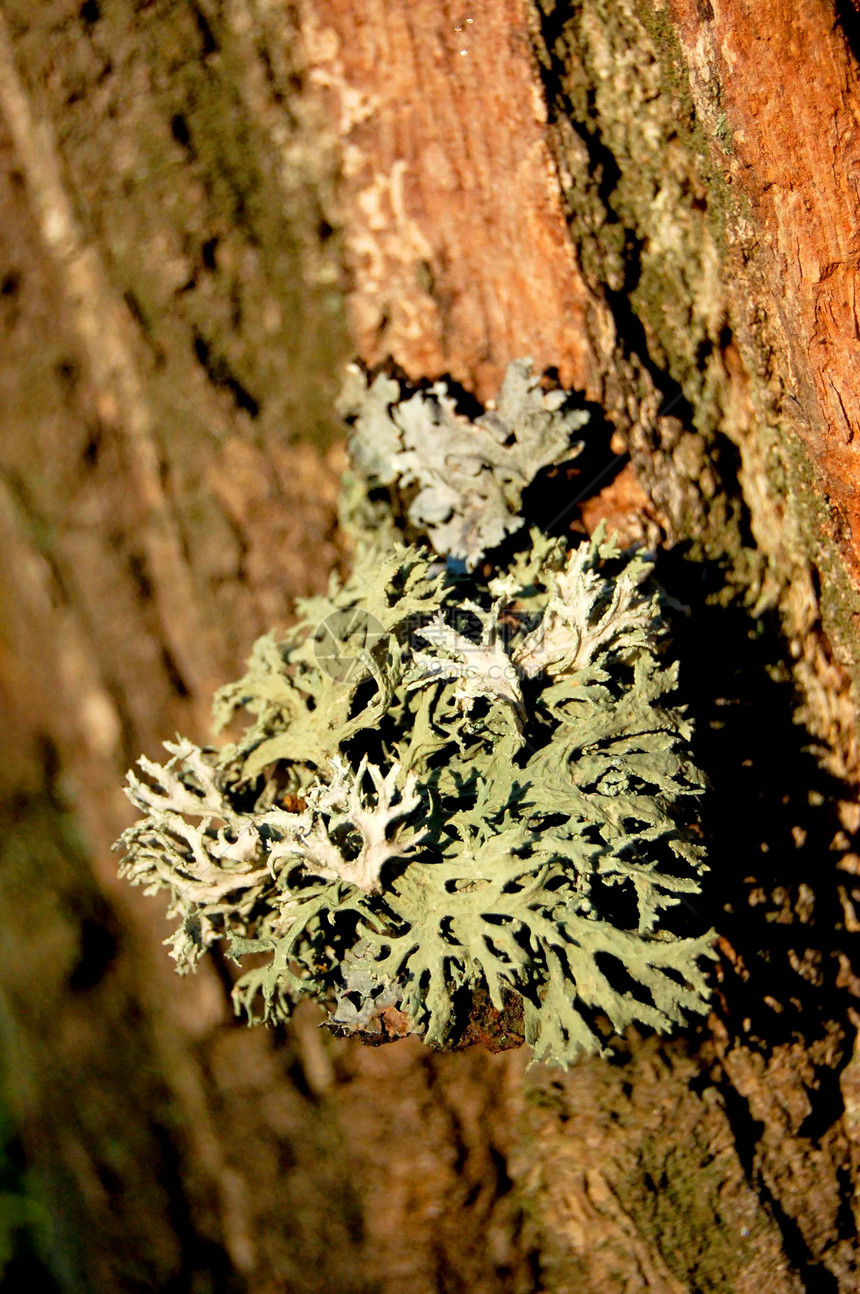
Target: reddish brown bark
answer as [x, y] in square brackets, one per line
[455, 234]
[789, 90]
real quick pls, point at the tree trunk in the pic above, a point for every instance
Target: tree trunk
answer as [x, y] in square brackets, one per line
[658, 201]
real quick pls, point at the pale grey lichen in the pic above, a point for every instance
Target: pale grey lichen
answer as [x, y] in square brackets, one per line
[464, 478]
[495, 796]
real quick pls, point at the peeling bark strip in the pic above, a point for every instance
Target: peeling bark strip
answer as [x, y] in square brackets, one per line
[658, 200]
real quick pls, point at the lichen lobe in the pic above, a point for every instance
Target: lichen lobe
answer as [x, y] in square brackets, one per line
[464, 782]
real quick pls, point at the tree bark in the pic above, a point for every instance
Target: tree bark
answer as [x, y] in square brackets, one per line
[207, 209]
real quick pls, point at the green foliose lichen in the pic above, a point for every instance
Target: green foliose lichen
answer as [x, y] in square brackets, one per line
[457, 782]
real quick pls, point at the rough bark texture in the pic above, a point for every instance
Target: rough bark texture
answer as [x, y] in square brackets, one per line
[661, 203]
